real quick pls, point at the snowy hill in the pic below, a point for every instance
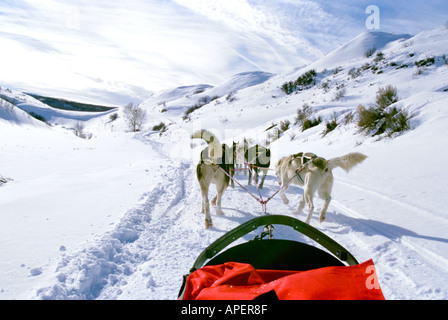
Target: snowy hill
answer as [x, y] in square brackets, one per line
[186, 96]
[118, 216]
[9, 115]
[358, 47]
[25, 104]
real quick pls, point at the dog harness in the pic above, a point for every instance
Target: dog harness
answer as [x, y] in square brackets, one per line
[305, 159]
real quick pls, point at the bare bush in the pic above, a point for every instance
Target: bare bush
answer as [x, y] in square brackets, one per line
[135, 117]
[8, 106]
[79, 129]
[340, 94]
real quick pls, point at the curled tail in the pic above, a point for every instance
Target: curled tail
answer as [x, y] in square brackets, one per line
[346, 162]
[214, 145]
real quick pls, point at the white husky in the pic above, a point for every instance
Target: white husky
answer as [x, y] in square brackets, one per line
[216, 159]
[315, 174]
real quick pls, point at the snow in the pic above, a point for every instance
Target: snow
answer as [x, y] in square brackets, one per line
[357, 47]
[117, 216]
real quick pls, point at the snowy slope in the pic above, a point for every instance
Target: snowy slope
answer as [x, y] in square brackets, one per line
[118, 216]
[9, 114]
[357, 47]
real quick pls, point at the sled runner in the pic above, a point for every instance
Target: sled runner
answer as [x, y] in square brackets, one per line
[278, 269]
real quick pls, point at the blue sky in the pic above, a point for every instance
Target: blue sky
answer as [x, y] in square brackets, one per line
[115, 52]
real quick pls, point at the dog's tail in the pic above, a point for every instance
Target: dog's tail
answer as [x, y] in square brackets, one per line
[346, 162]
[214, 145]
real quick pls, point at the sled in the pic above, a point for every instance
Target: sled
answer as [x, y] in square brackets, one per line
[278, 269]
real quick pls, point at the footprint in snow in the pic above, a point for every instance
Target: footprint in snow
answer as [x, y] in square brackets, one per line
[35, 271]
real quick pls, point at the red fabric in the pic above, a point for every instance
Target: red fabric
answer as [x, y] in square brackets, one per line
[240, 281]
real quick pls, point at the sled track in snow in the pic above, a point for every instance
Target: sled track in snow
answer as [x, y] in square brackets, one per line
[165, 230]
[430, 256]
[411, 207]
[399, 256]
[110, 262]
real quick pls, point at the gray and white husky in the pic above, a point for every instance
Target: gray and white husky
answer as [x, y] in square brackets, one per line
[215, 159]
[314, 174]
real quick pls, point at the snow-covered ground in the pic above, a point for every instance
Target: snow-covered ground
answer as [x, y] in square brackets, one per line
[118, 216]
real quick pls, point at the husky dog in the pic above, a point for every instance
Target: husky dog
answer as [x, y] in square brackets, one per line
[214, 157]
[240, 161]
[258, 158]
[315, 174]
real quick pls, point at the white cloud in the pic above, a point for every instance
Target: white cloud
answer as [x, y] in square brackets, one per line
[133, 46]
[263, 19]
[86, 47]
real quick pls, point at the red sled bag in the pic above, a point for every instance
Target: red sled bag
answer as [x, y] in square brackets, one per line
[241, 281]
[278, 268]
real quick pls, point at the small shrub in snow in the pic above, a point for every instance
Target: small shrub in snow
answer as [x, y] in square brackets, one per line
[38, 117]
[79, 131]
[379, 57]
[113, 117]
[190, 110]
[303, 114]
[305, 81]
[199, 91]
[337, 70]
[354, 72]
[161, 128]
[4, 180]
[273, 135]
[369, 52]
[425, 62]
[284, 125]
[376, 121]
[330, 125]
[383, 118]
[231, 97]
[309, 123]
[201, 102]
[340, 94]
[304, 120]
[206, 99]
[365, 66]
[386, 96]
[349, 118]
[326, 86]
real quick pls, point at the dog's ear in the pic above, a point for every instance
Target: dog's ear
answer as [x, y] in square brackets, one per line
[297, 155]
[319, 162]
[268, 152]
